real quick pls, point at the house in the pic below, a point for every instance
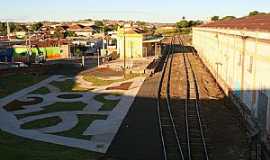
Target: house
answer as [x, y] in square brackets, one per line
[237, 53]
[81, 30]
[133, 43]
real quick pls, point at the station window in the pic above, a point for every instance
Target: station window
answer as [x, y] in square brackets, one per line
[240, 60]
[250, 64]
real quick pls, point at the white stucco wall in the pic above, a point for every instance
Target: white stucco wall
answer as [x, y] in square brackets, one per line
[240, 60]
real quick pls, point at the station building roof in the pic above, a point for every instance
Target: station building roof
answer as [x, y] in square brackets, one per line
[256, 23]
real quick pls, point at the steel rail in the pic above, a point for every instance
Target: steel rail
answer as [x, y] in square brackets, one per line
[168, 64]
[197, 106]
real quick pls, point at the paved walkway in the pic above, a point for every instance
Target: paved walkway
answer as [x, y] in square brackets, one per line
[102, 131]
[138, 137]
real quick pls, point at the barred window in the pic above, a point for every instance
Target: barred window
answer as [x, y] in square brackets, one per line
[250, 68]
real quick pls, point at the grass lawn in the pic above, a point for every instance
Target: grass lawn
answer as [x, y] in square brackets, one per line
[13, 83]
[84, 122]
[17, 105]
[69, 86]
[42, 123]
[70, 96]
[100, 82]
[16, 148]
[108, 105]
[56, 107]
[42, 91]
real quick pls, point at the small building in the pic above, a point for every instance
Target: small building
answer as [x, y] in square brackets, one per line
[80, 30]
[134, 43]
[237, 53]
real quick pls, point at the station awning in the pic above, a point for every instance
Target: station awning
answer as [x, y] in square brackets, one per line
[156, 40]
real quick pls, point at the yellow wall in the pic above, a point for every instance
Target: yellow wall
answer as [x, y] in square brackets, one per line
[133, 45]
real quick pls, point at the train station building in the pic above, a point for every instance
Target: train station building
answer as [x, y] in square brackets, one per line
[135, 43]
[237, 52]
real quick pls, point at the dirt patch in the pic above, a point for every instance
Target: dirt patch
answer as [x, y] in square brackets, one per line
[123, 86]
[17, 105]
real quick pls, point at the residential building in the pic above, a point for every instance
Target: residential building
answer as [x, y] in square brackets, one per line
[80, 30]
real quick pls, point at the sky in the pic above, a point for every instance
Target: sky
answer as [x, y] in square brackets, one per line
[167, 11]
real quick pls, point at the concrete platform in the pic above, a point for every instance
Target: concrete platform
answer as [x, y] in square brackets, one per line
[138, 137]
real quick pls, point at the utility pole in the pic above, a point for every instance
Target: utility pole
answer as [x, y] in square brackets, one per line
[8, 31]
[98, 56]
[124, 52]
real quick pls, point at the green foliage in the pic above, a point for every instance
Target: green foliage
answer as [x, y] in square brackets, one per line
[182, 24]
[12, 26]
[99, 23]
[69, 34]
[13, 148]
[84, 122]
[68, 86]
[228, 18]
[42, 91]
[58, 33]
[215, 18]
[90, 20]
[194, 23]
[3, 28]
[100, 82]
[21, 28]
[42, 123]
[13, 83]
[56, 107]
[141, 23]
[36, 26]
[78, 52]
[115, 27]
[106, 29]
[108, 105]
[114, 41]
[254, 13]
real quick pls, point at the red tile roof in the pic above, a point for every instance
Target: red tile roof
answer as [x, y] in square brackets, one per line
[259, 22]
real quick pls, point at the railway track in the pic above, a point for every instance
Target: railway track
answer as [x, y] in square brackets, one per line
[178, 142]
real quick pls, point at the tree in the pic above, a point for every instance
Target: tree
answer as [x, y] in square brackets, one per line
[3, 28]
[115, 27]
[12, 27]
[21, 28]
[194, 23]
[141, 23]
[215, 18]
[228, 18]
[99, 23]
[58, 33]
[254, 13]
[36, 26]
[69, 34]
[182, 24]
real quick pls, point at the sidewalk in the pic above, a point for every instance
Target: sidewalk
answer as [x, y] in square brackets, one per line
[138, 137]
